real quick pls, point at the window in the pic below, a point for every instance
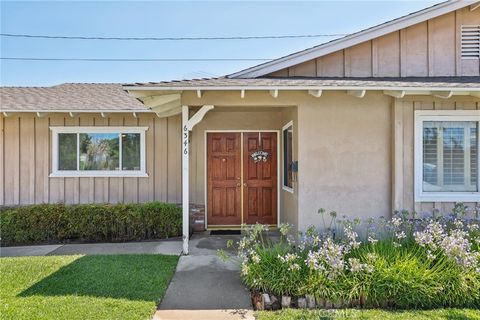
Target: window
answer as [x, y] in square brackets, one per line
[446, 156]
[287, 133]
[98, 151]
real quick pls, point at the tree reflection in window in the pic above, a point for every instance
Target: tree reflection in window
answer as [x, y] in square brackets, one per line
[99, 151]
[131, 151]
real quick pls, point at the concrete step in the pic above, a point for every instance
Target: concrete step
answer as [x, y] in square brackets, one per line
[229, 314]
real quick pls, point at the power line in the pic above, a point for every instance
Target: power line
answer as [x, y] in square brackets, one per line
[15, 35]
[134, 60]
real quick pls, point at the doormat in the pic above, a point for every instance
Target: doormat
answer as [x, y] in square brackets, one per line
[224, 232]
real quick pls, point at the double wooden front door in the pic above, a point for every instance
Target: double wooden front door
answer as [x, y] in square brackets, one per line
[241, 189]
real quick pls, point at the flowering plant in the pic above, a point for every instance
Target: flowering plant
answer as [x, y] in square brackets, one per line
[402, 262]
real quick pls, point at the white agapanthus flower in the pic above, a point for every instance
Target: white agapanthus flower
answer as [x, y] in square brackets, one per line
[372, 240]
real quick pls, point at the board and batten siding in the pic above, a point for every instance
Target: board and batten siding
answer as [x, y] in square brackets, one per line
[428, 49]
[26, 151]
[403, 150]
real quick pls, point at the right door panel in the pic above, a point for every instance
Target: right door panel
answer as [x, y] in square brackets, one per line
[260, 178]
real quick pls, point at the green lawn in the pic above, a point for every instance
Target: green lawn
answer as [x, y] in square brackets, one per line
[83, 287]
[439, 314]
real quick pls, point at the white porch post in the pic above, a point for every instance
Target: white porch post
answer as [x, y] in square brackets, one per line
[185, 179]
[187, 126]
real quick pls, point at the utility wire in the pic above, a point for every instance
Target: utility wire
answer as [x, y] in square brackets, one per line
[15, 35]
[133, 60]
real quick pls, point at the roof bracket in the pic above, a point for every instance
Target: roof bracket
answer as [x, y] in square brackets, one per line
[41, 114]
[134, 114]
[395, 93]
[274, 93]
[357, 93]
[315, 93]
[199, 94]
[197, 117]
[72, 114]
[474, 6]
[6, 114]
[242, 93]
[104, 114]
[442, 94]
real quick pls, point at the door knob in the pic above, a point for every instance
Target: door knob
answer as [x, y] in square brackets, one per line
[239, 184]
[245, 184]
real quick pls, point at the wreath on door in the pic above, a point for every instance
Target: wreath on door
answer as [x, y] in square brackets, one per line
[259, 155]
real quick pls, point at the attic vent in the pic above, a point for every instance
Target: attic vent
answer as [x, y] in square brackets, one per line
[471, 42]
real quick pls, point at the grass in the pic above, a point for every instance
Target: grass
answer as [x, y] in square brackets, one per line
[83, 287]
[437, 314]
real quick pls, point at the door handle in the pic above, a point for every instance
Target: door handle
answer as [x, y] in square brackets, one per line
[245, 184]
[239, 184]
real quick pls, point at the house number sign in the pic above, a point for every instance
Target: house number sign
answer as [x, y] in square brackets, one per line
[185, 140]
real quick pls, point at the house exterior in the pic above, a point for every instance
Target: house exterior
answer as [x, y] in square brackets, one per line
[381, 120]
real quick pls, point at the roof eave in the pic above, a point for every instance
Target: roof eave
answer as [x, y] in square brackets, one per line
[107, 111]
[300, 88]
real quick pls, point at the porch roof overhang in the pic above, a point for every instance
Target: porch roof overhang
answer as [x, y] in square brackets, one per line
[164, 98]
[442, 87]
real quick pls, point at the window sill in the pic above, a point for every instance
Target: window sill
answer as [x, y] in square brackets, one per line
[101, 174]
[448, 197]
[288, 189]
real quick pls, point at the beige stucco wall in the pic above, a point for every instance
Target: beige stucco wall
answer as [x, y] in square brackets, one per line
[25, 162]
[430, 48]
[344, 155]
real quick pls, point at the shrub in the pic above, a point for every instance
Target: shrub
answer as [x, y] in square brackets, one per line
[88, 222]
[403, 263]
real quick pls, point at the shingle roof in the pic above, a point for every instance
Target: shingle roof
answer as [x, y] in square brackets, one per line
[374, 83]
[69, 97]
[113, 98]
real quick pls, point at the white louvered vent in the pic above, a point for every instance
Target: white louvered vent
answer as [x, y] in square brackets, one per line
[471, 42]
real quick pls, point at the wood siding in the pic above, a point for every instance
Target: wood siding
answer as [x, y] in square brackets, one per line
[403, 150]
[25, 160]
[430, 48]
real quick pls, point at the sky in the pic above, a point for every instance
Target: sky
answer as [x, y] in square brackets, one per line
[170, 19]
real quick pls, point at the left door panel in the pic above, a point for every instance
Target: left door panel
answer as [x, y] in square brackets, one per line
[224, 179]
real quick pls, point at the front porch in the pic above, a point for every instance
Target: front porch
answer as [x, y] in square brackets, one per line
[223, 182]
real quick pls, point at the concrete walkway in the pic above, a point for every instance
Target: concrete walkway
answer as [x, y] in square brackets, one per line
[170, 247]
[205, 287]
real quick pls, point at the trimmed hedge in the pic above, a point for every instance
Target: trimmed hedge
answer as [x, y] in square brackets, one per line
[53, 223]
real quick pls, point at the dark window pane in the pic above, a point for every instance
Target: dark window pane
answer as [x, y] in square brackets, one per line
[287, 157]
[474, 155]
[453, 156]
[99, 151]
[67, 151]
[131, 151]
[430, 153]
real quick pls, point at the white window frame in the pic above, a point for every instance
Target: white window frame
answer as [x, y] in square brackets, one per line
[422, 116]
[285, 127]
[98, 173]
